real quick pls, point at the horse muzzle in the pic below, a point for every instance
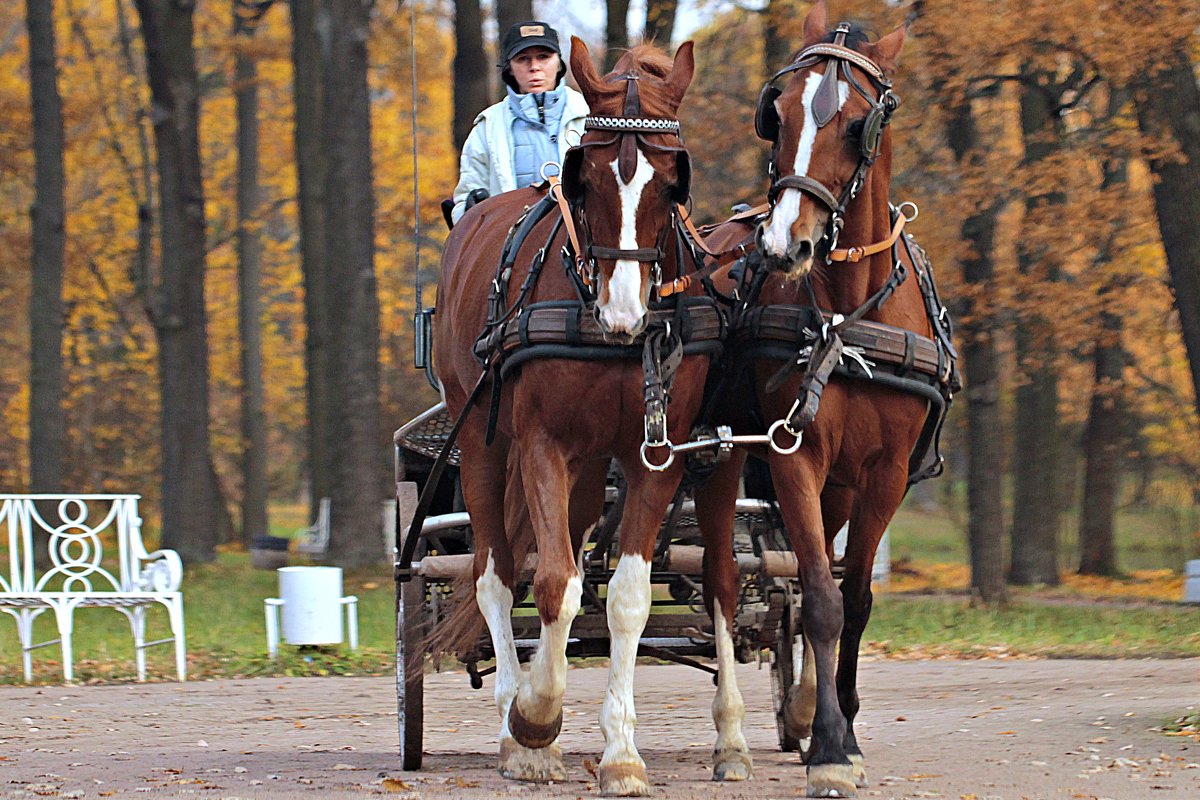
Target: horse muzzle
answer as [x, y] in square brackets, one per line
[793, 255]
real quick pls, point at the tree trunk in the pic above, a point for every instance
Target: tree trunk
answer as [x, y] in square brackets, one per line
[1104, 438]
[249, 245]
[660, 22]
[360, 452]
[509, 13]
[1102, 450]
[47, 217]
[616, 32]
[310, 168]
[193, 512]
[470, 80]
[1036, 502]
[1168, 108]
[985, 444]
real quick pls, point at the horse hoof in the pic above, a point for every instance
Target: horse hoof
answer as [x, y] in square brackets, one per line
[831, 780]
[520, 763]
[624, 780]
[533, 735]
[732, 765]
[859, 765]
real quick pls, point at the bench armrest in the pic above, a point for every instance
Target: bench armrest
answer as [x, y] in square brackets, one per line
[162, 573]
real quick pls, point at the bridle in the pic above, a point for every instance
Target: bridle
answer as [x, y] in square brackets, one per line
[825, 107]
[629, 133]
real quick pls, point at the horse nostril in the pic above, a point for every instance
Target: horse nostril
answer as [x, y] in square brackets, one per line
[803, 250]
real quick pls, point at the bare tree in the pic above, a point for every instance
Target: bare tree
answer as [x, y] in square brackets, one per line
[310, 167]
[1036, 478]
[616, 31]
[47, 217]
[660, 21]
[358, 439]
[194, 517]
[470, 79]
[246, 15]
[510, 12]
[985, 437]
[1168, 109]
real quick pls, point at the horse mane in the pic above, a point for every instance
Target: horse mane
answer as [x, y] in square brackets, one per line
[646, 56]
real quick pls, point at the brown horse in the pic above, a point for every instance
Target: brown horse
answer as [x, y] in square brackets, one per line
[827, 113]
[560, 421]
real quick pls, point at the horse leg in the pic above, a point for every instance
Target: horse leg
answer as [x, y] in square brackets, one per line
[871, 516]
[535, 716]
[587, 501]
[622, 771]
[836, 502]
[715, 511]
[495, 576]
[798, 486]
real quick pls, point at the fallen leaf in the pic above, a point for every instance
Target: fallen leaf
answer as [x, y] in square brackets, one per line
[393, 785]
[590, 766]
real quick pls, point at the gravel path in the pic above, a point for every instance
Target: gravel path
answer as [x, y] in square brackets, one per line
[964, 730]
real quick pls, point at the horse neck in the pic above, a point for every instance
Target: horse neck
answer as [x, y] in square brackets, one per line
[849, 285]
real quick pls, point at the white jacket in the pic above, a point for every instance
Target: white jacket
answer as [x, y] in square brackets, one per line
[486, 159]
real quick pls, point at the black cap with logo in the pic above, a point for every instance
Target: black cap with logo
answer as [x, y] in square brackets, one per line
[524, 35]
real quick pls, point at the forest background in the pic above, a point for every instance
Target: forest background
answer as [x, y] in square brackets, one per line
[209, 251]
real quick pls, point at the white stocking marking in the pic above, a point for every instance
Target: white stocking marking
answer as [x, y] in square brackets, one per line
[787, 207]
[540, 697]
[628, 610]
[626, 300]
[727, 709]
[496, 602]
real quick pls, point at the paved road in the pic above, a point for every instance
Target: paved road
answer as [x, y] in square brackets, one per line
[964, 730]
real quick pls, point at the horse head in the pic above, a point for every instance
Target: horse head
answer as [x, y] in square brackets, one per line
[627, 174]
[828, 122]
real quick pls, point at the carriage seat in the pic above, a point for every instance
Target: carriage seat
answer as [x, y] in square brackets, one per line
[77, 527]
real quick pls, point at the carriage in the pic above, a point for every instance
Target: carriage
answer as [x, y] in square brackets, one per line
[679, 630]
[733, 329]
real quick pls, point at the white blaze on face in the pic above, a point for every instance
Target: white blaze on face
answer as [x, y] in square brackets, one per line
[626, 304]
[777, 233]
[628, 610]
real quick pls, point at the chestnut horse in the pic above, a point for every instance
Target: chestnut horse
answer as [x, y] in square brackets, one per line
[831, 168]
[560, 421]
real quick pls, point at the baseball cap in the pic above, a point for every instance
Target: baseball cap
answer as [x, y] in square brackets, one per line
[524, 35]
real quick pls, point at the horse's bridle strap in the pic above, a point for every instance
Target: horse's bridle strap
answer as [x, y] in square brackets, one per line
[804, 184]
[564, 208]
[856, 254]
[650, 254]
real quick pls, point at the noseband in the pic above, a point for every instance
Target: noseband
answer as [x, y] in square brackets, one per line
[825, 107]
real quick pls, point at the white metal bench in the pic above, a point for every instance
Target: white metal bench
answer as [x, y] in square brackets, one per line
[76, 578]
[314, 540]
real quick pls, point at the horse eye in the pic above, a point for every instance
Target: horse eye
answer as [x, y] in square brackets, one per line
[855, 129]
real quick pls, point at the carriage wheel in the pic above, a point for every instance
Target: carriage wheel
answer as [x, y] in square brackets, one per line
[411, 611]
[787, 653]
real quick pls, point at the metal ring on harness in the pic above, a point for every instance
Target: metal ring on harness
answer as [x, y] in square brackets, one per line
[916, 212]
[784, 451]
[657, 467]
[557, 166]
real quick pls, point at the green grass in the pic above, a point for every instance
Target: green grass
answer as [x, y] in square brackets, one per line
[1160, 537]
[226, 631]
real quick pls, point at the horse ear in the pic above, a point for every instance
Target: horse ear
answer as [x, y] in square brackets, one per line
[816, 23]
[682, 71]
[886, 52]
[584, 69]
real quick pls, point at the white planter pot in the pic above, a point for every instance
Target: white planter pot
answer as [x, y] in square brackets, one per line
[312, 607]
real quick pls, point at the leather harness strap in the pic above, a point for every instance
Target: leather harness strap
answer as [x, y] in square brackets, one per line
[564, 208]
[856, 254]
